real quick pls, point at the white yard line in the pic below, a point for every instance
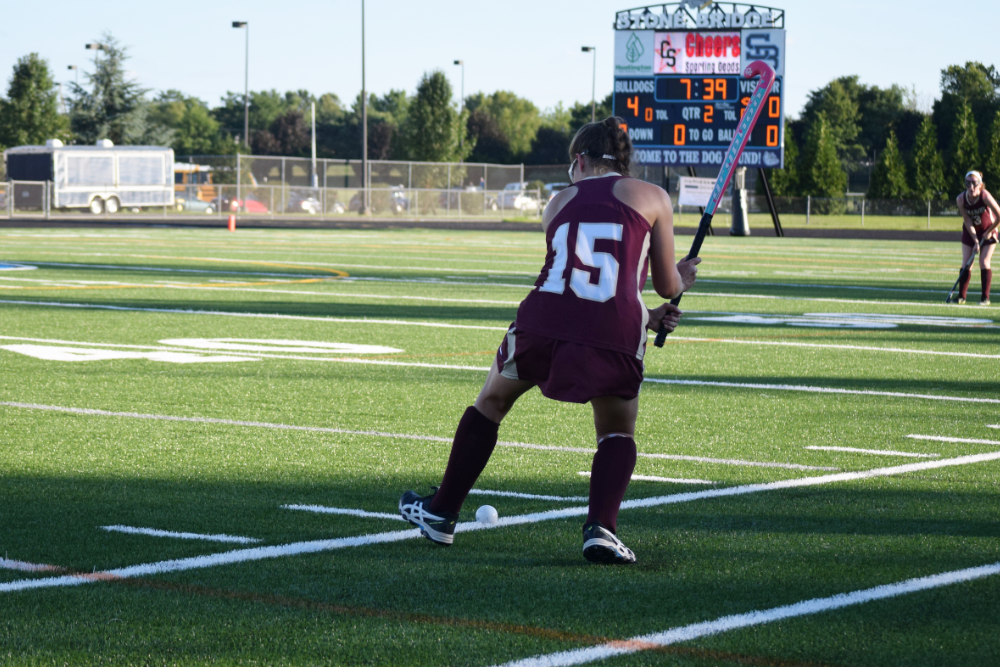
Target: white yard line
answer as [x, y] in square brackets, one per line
[153, 532]
[755, 618]
[527, 496]
[880, 452]
[184, 311]
[967, 441]
[321, 509]
[817, 286]
[299, 548]
[822, 390]
[384, 434]
[829, 346]
[126, 267]
[653, 478]
[875, 302]
[21, 566]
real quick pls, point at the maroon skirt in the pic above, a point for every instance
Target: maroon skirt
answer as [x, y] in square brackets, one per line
[566, 371]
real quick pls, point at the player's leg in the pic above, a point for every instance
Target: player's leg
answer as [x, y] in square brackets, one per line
[966, 276]
[985, 272]
[611, 471]
[475, 439]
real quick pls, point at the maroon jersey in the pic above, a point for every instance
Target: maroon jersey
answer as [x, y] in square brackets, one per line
[980, 213]
[589, 289]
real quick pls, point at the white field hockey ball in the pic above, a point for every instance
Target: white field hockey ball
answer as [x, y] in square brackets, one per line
[487, 514]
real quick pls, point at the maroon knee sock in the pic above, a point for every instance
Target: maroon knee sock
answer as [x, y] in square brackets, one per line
[475, 438]
[964, 286]
[609, 478]
[986, 275]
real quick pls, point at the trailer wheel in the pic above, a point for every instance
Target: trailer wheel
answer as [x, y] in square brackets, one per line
[97, 206]
[111, 205]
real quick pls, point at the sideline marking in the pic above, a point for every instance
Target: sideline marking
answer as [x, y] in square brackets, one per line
[54, 353]
[384, 434]
[527, 496]
[4, 266]
[750, 619]
[653, 478]
[881, 452]
[299, 548]
[320, 509]
[153, 532]
[822, 390]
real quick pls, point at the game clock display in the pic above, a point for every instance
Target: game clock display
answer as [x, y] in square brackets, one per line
[680, 120]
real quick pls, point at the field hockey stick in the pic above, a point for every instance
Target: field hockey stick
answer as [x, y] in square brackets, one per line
[740, 139]
[961, 274]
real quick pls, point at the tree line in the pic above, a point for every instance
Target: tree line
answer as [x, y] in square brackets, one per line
[428, 126]
[845, 126]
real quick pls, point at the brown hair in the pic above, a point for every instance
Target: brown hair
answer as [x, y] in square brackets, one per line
[605, 142]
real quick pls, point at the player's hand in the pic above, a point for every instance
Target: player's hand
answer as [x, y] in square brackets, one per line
[688, 268]
[667, 316]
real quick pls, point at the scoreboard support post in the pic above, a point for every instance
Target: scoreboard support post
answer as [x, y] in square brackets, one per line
[778, 231]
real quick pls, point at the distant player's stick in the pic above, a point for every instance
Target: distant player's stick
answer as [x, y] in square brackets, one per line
[961, 274]
[740, 139]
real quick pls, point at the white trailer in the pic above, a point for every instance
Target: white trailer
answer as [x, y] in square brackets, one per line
[102, 178]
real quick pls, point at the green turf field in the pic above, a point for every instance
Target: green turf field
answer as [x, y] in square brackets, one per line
[817, 444]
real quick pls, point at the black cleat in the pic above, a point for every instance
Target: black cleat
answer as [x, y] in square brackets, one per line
[438, 528]
[600, 545]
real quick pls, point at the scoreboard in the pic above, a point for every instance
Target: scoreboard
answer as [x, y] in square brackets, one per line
[679, 85]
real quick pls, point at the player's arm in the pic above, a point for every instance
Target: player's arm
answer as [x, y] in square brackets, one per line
[670, 279]
[991, 203]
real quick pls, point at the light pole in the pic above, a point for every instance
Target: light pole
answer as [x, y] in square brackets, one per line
[593, 83]
[77, 71]
[365, 210]
[94, 46]
[246, 82]
[461, 137]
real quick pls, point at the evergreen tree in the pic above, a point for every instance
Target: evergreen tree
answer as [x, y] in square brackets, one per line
[928, 167]
[889, 177]
[115, 109]
[991, 161]
[785, 182]
[822, 175]
[965, 147]
[434, 128]
[30, 114]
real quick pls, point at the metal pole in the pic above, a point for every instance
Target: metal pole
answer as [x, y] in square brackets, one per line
[365, 210]
[808, 207]
[778, 231]
[928, 214]
[315, 176]
[862, 212]
[461, 138]
[239, 200]
[593, 83]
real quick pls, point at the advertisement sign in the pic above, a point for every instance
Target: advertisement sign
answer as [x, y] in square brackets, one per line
[694, 191]
[634, 53]
[695, 52]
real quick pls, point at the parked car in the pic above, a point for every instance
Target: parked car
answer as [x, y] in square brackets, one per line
[248, 205]
[397, 200]
[551, 190]
[303, 202]
[515, 196]
[193, 204]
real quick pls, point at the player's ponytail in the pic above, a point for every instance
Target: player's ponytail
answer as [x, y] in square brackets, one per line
[606, 143]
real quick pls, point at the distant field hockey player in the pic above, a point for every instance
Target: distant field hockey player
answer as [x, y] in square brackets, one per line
[580, 335]
[980, 216]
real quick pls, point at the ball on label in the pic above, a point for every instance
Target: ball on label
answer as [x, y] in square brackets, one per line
[487, 514]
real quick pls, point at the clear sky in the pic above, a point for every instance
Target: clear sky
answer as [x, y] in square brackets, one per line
[529, 47]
